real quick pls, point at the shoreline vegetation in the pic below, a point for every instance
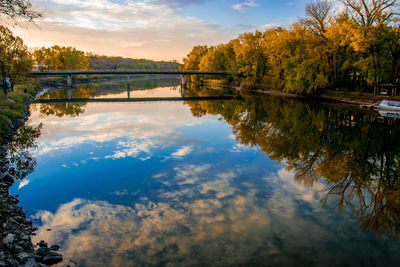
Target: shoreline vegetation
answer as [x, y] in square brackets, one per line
[355, 50]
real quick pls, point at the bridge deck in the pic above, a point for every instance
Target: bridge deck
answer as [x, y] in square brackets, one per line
[126, 72]
[143, 99]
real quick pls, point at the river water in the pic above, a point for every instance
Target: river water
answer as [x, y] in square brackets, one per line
[252, 181]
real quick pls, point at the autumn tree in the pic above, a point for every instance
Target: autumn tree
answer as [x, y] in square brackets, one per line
[354, 49]
[192, 61]
[15, 60]
[61, 58]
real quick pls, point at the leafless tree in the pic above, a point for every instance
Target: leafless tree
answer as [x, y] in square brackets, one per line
[369, 12]
[317, 15]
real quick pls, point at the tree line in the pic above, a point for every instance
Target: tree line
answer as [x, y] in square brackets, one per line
[17, 62]
[68, 58]
[355, 48]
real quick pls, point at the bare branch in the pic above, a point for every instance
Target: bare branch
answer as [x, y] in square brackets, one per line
[369, 12]
[317, 15]
[18, 8]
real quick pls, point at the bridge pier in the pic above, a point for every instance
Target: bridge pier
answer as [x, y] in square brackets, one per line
[183, 85]
[69, 92]
[128, 86]
[69, 80]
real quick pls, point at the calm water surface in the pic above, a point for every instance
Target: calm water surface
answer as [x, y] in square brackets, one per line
[252, 181]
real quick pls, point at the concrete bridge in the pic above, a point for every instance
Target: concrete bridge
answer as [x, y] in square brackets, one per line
[183, 73]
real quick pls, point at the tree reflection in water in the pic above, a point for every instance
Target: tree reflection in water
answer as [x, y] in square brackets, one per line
[66, 109]
[19, 156]
[354, 155]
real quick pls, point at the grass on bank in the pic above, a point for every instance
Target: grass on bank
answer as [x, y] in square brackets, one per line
[13, 105]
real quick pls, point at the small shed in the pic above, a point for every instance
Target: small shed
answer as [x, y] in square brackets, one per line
[387, 89]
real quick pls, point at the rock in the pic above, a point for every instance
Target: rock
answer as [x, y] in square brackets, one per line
[26, 244]
[18, 249]
[16, 231]
[42, 244]
[52, 258]
[8, 240]
[43, 251]
[2, 264]
[55, 247]
[24, 256]
[24, 237]
[8, 180]
[38, 258]
[30, 263]
[12, 262]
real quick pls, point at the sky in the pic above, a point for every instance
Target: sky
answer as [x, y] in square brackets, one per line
[152, 29]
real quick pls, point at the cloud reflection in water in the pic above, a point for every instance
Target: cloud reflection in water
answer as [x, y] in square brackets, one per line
[210, 218]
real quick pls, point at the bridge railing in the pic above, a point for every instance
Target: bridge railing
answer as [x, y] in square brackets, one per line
[123, 70]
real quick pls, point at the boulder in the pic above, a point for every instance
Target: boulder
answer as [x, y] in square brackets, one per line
[8, 240]
[43, 251]
[55, 247]
[52, 258]
[18, 249]
[23, 257]
[30, 263]
[12, 262]
[8, 180]
[42, 244]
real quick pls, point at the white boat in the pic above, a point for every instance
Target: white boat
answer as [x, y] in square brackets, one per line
[389, 114]
[388, 105]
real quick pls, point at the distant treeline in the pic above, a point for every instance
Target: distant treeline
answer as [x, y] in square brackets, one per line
[62, 58]
[355, 49]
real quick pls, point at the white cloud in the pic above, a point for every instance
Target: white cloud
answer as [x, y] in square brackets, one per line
[23, 183]
[245, 4]
[139, 29]
[183, 151]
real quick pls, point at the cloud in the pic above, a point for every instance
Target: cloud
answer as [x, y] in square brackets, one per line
[23, 183]
[183, 151]
[244, 5]
[139, 29]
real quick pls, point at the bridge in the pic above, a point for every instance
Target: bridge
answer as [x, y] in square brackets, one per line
[183, 73]
[137, 99]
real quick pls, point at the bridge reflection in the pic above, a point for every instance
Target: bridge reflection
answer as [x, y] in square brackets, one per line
[135, 99]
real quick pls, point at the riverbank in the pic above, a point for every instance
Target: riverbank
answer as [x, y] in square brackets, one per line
[348, 98]
[355, 99]
[16, 248]
[14, 109]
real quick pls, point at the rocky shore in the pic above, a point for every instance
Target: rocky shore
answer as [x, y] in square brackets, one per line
[16, 248]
